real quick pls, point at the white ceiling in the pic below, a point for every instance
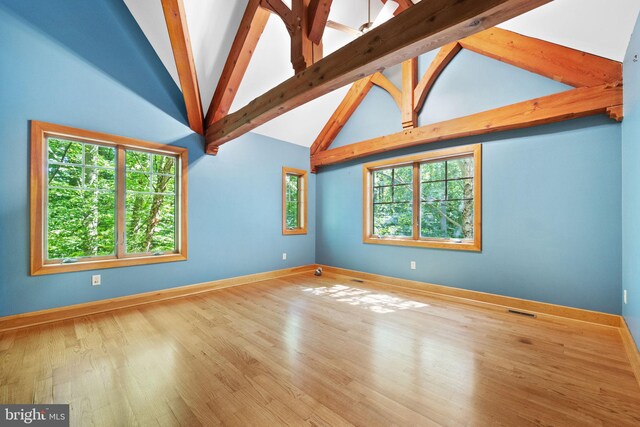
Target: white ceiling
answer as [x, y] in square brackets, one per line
[601, 27]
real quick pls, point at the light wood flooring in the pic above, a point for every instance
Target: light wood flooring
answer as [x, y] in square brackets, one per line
[326, 351]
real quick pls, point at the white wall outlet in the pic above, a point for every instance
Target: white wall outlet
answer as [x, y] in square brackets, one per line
[96, 280]
[624, 296]
[284, 255]
[413, 265]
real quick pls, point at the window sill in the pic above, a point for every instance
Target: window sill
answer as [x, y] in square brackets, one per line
[470, 246]
[41, 270]
[294, 231]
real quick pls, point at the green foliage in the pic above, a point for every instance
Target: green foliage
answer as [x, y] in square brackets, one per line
[446, 209]
[292, 194]
[393, 202]
[81, 201]
[151, 203]
[446, 200]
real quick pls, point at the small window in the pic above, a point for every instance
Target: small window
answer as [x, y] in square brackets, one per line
[429, 200]
[101, 201]
[294, 201]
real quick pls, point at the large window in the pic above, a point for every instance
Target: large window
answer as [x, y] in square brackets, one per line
[294, 201]
[101, 201]
[430, 200]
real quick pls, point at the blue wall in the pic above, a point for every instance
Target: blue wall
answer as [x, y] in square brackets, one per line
[551, 196]
[87, 64]
[631, 185]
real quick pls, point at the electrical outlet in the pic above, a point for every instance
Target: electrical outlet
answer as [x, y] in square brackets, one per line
[96, 280]
[624, 296]
[284, 255]
[413, 265]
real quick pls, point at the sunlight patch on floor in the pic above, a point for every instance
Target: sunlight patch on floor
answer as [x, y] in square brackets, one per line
[369, 300]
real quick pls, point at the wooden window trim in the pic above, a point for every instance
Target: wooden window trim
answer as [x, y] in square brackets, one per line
[303, 200]
[40, 131]
[417, 241]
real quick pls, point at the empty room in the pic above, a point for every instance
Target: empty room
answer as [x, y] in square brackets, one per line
[316, 212]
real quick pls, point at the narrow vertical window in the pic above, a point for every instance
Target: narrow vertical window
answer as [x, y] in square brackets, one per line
[101, 201]
[294, 201]
[429, 200]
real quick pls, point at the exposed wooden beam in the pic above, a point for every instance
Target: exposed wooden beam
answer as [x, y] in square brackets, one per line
[404, 4]
[304, 53]
[349, 104]
[566, 65]
[317, 16]
[351, 101]
[181, 45]
[616, 112]
[431, 24]
[409, 82]
[439, 63]
[280, 9]
[251, 27]
[382, 82]
[567, 105]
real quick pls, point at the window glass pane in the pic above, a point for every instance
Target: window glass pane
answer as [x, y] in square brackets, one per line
[138, 161]
[150, 223]
[433, 191]
[164, 164]
[447, 220]
[460, 225]
[460, 168]
[382, 195]
[137, 181]
[293, 201]
[80, 210]
[460, 189]
[432, 171]
[65, 176]
[293, 182]
[80, 223]
[433, 223]
[446, 190]
[164, 184]
[293, 215]
[98, 178]
[393, 202]
[403, 175]
[393, 220]
[97, 155]
[64, 151]
[150, 205]
[402, 193]
[382, 177]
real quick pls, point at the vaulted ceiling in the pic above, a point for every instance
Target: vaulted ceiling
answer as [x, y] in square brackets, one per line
[600, 27]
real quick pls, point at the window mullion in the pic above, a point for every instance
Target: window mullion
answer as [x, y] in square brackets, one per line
[120, 203]
[416, 201]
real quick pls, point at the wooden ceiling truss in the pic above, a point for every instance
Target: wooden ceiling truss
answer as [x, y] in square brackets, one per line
[597, 82]
[450, 25]
[181, 44]
[431, 24]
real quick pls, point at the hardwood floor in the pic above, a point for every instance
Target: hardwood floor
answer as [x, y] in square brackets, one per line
[323, 351]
